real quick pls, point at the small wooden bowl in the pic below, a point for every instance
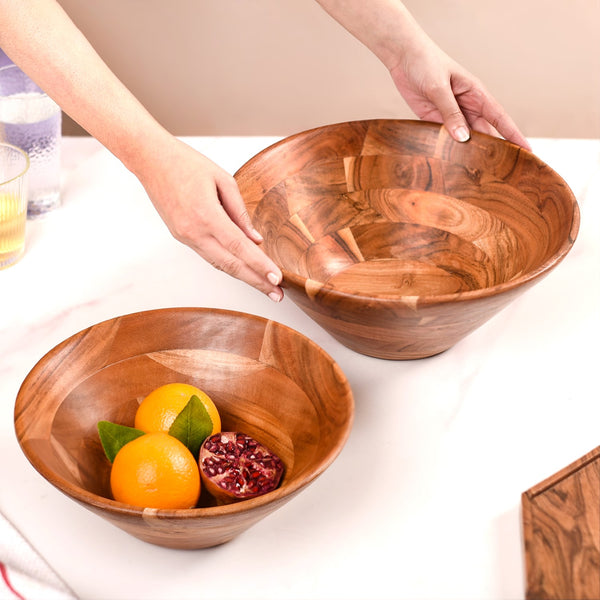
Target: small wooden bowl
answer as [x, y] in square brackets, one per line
[400, 241]
[266, 380]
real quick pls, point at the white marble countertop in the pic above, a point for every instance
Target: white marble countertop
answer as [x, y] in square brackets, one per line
[465, 432]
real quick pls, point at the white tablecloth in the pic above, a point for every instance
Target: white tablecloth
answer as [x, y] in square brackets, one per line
[464, 433]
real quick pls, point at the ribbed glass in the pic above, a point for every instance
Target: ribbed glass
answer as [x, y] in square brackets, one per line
[14, 164]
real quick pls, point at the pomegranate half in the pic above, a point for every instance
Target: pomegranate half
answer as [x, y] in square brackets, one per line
[234, 466]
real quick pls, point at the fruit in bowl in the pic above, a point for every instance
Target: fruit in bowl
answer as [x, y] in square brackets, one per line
[177, 442]
[234, 466]
[155, 470]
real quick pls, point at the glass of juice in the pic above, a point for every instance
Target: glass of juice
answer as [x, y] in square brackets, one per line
[14, 164]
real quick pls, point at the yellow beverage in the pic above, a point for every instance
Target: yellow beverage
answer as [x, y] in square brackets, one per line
[13, 203]
[13, 214]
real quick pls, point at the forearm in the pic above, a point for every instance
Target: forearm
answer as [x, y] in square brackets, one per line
[40, 37]
[199, 202]
[384, 26]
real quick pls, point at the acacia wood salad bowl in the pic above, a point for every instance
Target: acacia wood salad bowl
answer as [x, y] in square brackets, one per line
[400, 241]
[266, 380]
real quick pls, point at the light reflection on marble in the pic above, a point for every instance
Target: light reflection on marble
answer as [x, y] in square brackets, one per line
[424, 500]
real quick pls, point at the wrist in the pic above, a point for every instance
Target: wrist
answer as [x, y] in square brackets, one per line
[408, 43]
[386, 27]
[142, 149]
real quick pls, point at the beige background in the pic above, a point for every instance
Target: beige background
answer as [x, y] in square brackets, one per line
[274, 67]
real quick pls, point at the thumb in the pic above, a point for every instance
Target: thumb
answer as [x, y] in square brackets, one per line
[452, 116]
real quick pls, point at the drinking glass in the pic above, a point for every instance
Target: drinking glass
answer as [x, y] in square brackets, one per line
[31, 120]
[14, 164]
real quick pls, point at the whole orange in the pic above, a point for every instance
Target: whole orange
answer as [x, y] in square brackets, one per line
[155, 471]
[160, 407]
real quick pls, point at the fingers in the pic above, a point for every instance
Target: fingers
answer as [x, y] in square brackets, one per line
[483, 112]
[229, 253]
[235, 251]
[478, 123]
[452, 117]
[201, 205]
[494, 114]
[227, 248]
[464, 103]
[234, 206]
[235, 254]
[444, 100]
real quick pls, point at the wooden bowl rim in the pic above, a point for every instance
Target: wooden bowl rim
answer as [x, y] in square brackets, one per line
[287, 489]
[296, 280]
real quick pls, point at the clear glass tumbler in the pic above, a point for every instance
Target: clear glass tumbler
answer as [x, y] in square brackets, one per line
[14, 164]
[31, 120]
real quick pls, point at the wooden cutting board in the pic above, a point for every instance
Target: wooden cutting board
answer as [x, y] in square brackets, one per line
[561, 528]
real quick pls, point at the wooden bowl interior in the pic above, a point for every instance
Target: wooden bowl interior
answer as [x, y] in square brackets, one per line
[265, 379]
[398, 208]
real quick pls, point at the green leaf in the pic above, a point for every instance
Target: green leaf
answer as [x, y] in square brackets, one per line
[113, 437]
[192, 425]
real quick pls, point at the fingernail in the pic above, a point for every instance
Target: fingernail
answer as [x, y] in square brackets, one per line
[257, 235]
[272, 277]
[275, 296]
[462, 133]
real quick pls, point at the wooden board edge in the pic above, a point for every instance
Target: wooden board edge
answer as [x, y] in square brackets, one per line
[559, 476]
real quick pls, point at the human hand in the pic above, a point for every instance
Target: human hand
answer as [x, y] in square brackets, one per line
[438, 89]
[203, 208]
[199, 202]
[435, 87]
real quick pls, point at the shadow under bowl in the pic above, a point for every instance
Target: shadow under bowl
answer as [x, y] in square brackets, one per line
[400, 241]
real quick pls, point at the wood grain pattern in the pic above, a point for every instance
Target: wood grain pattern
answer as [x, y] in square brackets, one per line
[561, 526]
[266, 380]
[400, 241]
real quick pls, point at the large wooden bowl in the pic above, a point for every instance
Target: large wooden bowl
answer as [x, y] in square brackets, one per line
[266, 380]
[400, 241]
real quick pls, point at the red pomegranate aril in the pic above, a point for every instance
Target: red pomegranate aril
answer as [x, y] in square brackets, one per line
[235, 466]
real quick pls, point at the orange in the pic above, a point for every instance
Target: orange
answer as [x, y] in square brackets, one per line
[159, 408]
[155, 471]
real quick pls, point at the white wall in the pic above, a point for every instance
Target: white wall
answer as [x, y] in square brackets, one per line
[231, 67]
